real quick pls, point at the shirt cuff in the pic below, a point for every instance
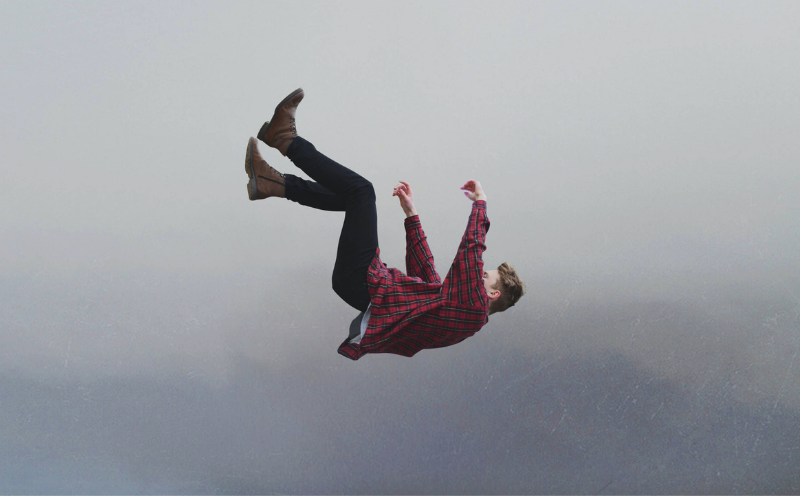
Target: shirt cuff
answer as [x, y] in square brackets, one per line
[412, 221]
[479, 203]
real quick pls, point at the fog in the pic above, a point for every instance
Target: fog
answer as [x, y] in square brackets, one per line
[160, 333]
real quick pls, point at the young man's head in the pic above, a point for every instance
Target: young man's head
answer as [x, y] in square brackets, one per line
[503, 286]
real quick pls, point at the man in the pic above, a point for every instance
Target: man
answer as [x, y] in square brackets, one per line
[401, 313]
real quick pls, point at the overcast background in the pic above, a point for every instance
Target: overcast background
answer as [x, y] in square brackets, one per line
[160, 333]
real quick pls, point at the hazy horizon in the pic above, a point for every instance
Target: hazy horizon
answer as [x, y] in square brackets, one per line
[163, 334]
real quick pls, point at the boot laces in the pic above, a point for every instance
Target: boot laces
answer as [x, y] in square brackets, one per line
[272, 169]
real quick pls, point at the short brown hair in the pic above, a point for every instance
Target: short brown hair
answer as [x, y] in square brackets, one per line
[510, 286]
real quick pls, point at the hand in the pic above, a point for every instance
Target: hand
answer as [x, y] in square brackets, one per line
[473, 191]
[403, 192]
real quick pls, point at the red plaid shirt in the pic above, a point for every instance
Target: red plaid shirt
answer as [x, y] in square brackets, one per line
[415, 311]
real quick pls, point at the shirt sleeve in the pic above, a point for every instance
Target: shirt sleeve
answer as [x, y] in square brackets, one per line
[464, 282]
[419, 259]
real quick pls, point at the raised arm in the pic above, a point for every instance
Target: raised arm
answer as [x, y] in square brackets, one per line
[464, 283]
[419, 259]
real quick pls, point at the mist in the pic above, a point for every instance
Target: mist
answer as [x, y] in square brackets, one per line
[163, 334]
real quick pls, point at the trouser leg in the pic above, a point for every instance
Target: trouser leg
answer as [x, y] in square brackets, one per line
[312, 194]
[338, 188]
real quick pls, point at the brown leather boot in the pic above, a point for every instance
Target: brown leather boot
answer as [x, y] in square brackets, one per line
[281, 130]
[264, 180]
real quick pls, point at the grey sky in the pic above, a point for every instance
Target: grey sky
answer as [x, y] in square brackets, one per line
[161, 333]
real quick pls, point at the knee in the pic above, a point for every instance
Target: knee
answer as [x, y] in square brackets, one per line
[365, 191]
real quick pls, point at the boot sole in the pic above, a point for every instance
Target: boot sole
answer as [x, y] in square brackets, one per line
[248, 167]
[262, 133]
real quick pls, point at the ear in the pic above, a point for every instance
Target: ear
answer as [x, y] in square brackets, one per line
[493, 294]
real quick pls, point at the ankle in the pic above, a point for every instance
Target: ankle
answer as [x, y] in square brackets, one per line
[294, 148]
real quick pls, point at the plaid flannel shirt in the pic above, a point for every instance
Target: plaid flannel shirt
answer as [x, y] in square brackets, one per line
[416, 310]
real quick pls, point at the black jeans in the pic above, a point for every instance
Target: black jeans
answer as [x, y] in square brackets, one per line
[339, 189]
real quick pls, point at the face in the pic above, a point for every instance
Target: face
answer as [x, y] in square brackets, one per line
[490, 278]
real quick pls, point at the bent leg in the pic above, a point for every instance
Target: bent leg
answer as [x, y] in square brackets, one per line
[313, 194]
[358, 244]
[331, 175]
[339, 188]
